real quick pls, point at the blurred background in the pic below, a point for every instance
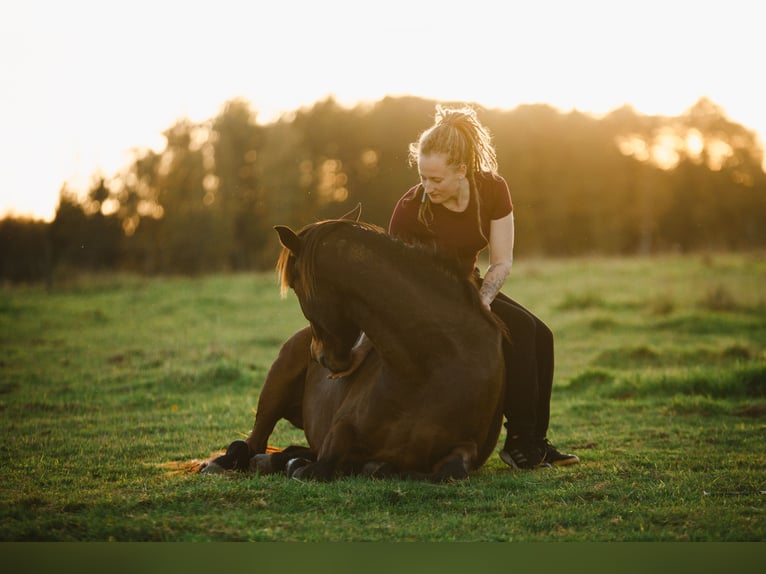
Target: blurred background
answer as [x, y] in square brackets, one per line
[170, 137]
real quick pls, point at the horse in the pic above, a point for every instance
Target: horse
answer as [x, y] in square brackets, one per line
[426, 403]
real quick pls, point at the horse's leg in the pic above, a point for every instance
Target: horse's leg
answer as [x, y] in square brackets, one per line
[456, 464]
[281, 397]
[332, 455]
[277, 461]
[282, 394]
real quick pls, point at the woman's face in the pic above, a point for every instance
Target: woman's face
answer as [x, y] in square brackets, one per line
[442, 182]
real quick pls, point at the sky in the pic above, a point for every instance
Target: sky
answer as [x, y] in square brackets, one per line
[84, 82]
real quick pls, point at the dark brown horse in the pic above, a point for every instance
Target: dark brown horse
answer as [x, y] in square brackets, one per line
[426, 403]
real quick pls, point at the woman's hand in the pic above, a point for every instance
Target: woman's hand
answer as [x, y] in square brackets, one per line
[358, 355]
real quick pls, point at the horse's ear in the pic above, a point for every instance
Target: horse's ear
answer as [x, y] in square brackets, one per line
[354, 214]
[288, 238]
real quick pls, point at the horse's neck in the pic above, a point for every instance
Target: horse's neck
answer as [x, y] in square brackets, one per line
[405, 325]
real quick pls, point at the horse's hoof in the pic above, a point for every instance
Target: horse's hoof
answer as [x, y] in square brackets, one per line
[239, 453]
[294, 467]
[261, 463]
[374, 469]
[237, 457]
[212, 468]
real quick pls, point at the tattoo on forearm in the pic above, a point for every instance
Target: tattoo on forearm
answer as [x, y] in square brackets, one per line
[493, 281]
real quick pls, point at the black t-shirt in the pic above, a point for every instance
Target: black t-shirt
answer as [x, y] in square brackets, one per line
[455, 234]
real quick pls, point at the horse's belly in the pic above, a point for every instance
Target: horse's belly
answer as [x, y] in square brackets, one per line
[411, 426]
[417, 432]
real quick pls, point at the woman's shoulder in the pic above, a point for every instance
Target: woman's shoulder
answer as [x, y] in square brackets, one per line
[495, 193]
[492, 184]
[491, 179]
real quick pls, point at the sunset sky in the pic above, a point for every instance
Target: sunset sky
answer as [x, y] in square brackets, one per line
[83, 81]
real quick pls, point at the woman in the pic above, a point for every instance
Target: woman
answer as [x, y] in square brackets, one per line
[460, 207]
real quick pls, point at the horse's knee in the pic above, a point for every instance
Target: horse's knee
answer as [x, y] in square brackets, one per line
[278, 461]
[263, 464]
[271, 463]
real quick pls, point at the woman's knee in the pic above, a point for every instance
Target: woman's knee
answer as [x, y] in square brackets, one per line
[544, 335]
[516, 319]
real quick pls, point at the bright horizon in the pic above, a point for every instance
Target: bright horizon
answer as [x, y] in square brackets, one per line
[84, 82]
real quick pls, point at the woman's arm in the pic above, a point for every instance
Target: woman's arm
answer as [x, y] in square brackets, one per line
[501, 237]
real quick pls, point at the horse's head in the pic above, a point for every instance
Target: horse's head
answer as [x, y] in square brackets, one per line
[334, 334]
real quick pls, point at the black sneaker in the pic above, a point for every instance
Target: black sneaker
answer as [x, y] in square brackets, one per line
[523, 453]
[555, 458]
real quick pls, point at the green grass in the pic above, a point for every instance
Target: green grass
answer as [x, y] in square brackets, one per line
[660, 389]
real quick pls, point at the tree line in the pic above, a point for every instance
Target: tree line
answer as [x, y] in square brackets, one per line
[624, 183]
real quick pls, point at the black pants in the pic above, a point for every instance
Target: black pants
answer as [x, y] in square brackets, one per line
[529, 369]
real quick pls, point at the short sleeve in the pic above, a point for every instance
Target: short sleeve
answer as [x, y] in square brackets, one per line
[500, 203]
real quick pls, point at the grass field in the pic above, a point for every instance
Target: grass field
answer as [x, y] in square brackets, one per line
[660, 389]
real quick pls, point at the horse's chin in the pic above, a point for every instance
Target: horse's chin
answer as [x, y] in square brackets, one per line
[336, 366]
[333, 362]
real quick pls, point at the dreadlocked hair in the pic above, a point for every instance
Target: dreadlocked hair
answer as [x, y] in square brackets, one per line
[458, 134]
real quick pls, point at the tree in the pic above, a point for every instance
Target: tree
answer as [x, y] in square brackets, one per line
[624, 183]
[83, 240]
[233, 186]
[24, 250]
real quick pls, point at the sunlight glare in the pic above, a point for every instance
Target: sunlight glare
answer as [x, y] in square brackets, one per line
[633, 146]
[718, 151]
[694, 144]
[665, 148]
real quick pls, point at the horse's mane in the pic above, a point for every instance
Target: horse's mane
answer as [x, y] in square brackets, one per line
[418, 261]
[311, 236]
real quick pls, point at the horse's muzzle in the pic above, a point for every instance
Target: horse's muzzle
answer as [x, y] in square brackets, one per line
[331, 363]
